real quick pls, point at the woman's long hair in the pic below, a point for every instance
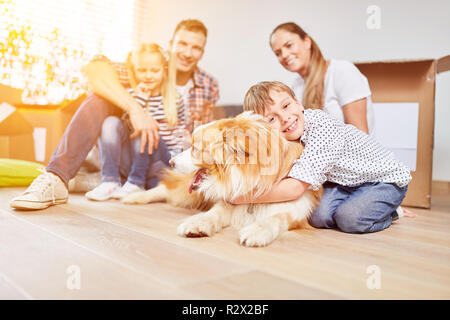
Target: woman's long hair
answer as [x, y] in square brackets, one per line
[314, 82]
[168, 88]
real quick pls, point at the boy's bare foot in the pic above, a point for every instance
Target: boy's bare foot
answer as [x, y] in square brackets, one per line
[408, 213]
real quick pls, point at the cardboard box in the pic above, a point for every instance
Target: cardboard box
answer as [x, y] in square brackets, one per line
[399, 82]
[49, 123]
[16, 134]
[10, 95]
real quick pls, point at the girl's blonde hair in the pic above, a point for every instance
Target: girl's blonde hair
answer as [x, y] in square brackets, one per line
[168, 88]
[257, 98]
[314, 85]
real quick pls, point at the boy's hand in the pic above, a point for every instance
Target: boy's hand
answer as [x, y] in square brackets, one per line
[245, 199]
[287, 189]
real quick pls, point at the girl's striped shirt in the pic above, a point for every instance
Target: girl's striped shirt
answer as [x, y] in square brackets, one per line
[173, 137]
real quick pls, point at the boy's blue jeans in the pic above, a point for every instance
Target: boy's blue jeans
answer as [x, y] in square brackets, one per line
[121, 159]
[360, 209]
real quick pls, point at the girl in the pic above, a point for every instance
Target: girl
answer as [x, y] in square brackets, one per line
[335, 86]
[363, 184]
[152, 79]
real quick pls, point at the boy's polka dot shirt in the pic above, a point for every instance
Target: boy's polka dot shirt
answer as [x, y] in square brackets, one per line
[340, 153]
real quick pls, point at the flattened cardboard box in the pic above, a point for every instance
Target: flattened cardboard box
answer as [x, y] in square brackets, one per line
[16, 134]
[411, 82]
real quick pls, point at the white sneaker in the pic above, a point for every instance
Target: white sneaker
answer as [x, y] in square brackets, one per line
[46, 190]
[103, 191]
[127, 188]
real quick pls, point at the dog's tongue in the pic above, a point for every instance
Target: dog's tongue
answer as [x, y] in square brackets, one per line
[196, 180]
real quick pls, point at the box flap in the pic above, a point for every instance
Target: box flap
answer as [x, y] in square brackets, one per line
[70, 106]
[12, 122]
[443, 64]
[411, 82]
[393, 61]
[10, 95]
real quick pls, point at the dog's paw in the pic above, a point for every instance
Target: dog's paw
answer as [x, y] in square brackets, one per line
[257, 235]
[140, 197]
[200, 225]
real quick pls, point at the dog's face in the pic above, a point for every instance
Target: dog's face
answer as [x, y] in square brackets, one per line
[183, 161]
[235, 156]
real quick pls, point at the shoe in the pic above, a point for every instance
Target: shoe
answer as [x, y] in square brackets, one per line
[103, 192]
[46, 190]
[85, 181]
[127, 188]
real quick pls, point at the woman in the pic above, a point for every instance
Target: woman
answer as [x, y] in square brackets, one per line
[335, 86]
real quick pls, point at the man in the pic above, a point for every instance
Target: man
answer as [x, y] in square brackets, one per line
[108, 82]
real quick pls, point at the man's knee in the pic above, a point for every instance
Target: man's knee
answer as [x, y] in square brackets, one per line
[97, 104]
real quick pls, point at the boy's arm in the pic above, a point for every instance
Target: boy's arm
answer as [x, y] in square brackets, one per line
[287, 189]
[104, 81]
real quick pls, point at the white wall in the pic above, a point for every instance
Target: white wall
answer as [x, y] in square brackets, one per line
[238, 53]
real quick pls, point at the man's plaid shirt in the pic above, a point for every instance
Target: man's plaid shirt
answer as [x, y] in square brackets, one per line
[200, 101]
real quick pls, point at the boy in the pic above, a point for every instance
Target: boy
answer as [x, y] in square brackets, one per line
[363, 183]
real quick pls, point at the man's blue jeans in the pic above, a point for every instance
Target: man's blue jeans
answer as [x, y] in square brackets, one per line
[360, 209]
[80, 136]
[121, 159]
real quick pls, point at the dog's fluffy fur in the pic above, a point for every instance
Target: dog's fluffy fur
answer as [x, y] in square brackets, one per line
[231, 158]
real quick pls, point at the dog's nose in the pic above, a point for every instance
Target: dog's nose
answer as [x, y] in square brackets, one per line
[171, 162]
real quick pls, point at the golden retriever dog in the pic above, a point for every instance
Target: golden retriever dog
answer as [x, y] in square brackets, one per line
[230, 158]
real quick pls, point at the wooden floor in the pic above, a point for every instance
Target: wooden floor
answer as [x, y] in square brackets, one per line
[132, 252]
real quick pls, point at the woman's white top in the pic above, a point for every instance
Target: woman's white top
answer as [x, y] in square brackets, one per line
[343, 84]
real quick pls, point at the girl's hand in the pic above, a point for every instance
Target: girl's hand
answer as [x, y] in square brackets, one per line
[142, 90]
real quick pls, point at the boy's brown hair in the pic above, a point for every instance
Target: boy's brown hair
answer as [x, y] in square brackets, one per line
[257, 98]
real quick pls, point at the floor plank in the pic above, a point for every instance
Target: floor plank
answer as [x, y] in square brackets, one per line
[157, 258]
[39, 261]
[413, 256]
[9, 290]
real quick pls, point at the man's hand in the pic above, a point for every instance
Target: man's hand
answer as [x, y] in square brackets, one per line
[144, 125]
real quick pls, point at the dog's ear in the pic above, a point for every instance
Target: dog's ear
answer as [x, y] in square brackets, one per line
[240, 143]
[249, 115]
